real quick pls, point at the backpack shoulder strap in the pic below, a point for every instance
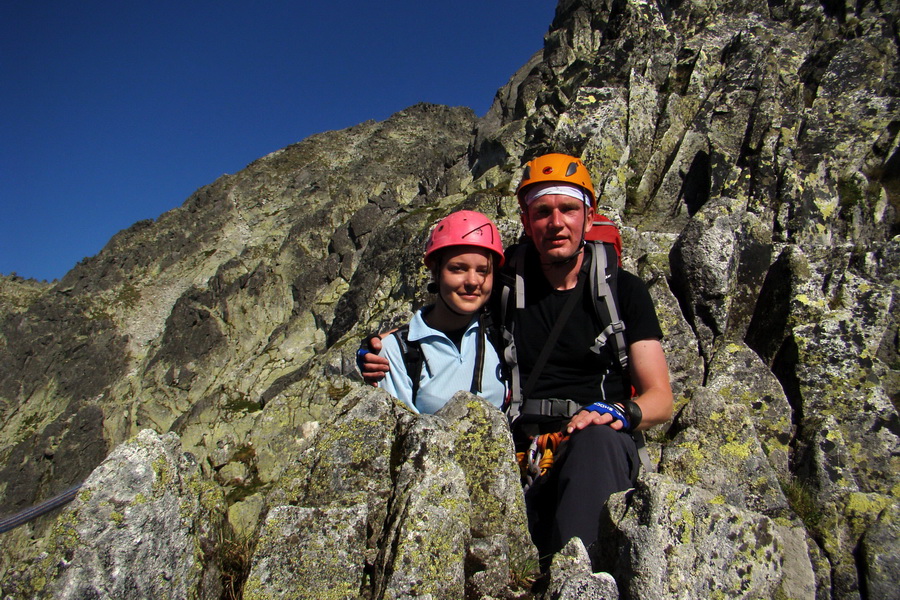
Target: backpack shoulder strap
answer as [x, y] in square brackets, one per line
[495, 338]
[606, 303]
[605, 291]
[512, 297]
[412, 357]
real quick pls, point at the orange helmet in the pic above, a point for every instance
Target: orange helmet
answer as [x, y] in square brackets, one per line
[464, 228]
[556, 167]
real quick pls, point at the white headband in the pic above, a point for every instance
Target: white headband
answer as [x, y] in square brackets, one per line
[555, 187]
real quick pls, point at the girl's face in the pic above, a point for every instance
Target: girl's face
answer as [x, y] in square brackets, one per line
[465, 278]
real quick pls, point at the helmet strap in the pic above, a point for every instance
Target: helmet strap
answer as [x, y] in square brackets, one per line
[564, 261]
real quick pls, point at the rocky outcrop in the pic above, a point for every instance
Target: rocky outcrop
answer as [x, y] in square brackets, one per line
[664, 530]
[572, 577]
[395, 505]
[17, 293]
[751, 153]
[145, 524]
[414, 506]
[218, 307]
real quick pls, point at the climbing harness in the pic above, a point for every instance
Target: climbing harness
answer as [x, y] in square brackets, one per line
[539, 457]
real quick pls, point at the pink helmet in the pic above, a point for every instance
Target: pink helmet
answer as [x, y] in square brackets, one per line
[464, 228]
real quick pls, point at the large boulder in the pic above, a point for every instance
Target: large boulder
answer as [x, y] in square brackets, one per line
[145, 524]
[397, 505]
[668, 540]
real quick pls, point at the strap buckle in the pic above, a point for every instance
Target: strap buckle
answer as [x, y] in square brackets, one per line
[611, 330]
[551, 407]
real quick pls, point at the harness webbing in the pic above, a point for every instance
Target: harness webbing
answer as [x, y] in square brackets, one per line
[412, 357]
[477, 372]
[507, 325]
[603, 280]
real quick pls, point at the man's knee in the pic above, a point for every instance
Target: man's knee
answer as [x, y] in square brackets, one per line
[601, 438]
[601, 447]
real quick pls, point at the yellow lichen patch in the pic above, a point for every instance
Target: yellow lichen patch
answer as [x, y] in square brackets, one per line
[783, 522]
[741, 451]
[673, 496]
[693, 449]
[687, 518]
[163, 477]
[867, 504]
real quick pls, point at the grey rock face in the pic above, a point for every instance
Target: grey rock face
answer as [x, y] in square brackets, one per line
[750, 152]
[394, 505]
[145, 524]
[309, 553]
[491, 473]
[880, 556]
[573, 577]
[719, 449]
[423, 548]
[672, 541]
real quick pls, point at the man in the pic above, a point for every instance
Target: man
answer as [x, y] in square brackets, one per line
[570, 380]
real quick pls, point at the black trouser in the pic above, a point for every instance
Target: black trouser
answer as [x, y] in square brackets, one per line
[592, 464]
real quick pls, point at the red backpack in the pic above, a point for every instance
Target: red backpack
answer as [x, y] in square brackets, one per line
[604, 230]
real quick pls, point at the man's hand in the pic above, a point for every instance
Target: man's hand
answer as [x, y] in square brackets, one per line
[586, 418]
[650, 376]
[372, 366]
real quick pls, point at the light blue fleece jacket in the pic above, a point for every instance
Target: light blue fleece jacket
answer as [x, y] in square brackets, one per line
[445, 370]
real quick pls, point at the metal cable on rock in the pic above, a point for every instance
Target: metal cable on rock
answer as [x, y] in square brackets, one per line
[29, 514]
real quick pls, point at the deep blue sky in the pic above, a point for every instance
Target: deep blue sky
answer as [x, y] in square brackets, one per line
[115, 111]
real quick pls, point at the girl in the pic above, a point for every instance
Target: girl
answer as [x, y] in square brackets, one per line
[444, 348]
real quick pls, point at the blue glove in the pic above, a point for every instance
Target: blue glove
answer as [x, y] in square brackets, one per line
[365, 347]
[608, 409]
[360, 355]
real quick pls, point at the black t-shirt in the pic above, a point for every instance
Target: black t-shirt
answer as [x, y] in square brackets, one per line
[572, 370]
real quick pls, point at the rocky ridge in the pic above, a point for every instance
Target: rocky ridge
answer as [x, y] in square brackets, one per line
[750, 152]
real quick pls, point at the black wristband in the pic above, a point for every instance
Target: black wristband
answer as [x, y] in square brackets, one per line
[633, 412]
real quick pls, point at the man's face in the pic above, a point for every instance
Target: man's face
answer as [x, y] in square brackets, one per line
[557, 224]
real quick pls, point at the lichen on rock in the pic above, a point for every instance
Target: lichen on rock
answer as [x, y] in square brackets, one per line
[748, 150]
